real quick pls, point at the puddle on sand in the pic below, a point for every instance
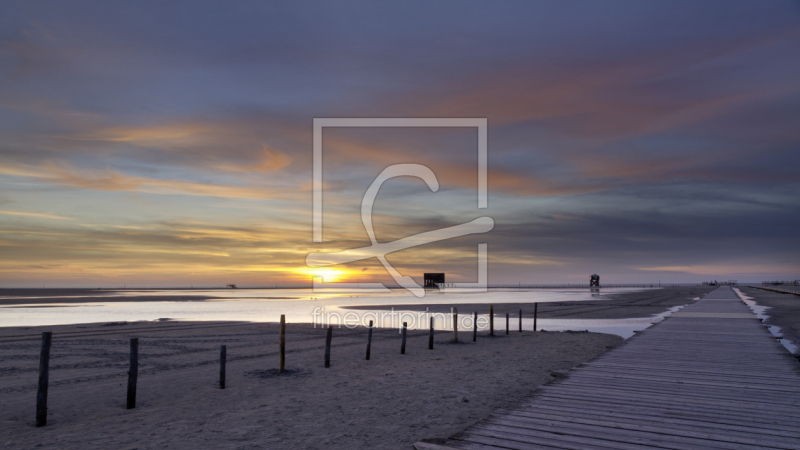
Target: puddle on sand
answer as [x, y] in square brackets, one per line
[761, 312]
[621, 327]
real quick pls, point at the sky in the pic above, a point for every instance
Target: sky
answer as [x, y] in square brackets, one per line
[170, 143]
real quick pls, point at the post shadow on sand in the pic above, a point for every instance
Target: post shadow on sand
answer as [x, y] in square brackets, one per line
[275, 373]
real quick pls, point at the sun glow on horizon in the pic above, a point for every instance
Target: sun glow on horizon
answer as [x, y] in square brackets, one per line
[328, 274]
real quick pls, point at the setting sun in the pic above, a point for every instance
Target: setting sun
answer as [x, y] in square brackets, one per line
[329, 275]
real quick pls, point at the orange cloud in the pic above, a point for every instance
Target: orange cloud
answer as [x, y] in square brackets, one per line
[229, 146]
[108, 180]
[44, 216]
[142, 135]
[271, 160]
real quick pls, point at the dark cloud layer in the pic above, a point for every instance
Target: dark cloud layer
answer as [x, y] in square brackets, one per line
[157, 142]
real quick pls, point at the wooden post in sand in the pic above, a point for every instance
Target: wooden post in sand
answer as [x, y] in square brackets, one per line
[282, 344]
[133, 373]
[44, 380]
[520, 321]
[328, 346]
[491, 320]
[222, 356]
[455, 324]
[535, 311]
[369, 339]
[475, 326]
[506, 323]
[403, 345]
[430, 337]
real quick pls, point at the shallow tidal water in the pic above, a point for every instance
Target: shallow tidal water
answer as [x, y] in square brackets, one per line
[307, 306]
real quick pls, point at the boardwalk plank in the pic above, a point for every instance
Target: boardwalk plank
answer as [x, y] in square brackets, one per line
[782, 407]
[684, 410]
[598, 423]
[612, 437]
[572, 434]
[480, 432]
[658, 417]
[778, 375]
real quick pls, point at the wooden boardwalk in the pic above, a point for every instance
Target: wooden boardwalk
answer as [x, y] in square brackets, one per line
[710, 376]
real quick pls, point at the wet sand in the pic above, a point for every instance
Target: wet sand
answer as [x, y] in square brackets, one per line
[616, 306]
[67, 296]
[782, 287]
[388, 402]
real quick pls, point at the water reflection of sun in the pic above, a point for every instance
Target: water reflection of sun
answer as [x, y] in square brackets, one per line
[328, 274]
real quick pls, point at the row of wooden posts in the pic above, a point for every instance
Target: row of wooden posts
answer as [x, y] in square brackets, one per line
[133, 372]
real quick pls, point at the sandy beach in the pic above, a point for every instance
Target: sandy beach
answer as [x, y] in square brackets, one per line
[390, 401]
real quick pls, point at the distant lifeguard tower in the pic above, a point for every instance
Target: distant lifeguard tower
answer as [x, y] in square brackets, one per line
[594, 280]
[433, 280]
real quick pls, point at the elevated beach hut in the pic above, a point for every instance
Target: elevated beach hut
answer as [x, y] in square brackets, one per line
[433, 280]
